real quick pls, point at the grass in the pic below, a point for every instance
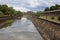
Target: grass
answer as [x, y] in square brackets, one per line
[8, 23]
[49, 18]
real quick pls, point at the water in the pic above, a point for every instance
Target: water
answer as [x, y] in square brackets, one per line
[20, 30]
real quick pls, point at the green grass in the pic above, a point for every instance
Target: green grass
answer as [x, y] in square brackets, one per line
[50, 18]
[8, 23]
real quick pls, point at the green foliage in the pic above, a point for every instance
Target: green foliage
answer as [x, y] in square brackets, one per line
[18, 13]
[37, 14]
[52, 18]
[3, 8]
[53, 8]
[9, 21]
[9, 11]
[46, 9]
[56, 6]
[58, 18]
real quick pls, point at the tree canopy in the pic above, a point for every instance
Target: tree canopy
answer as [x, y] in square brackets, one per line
[55, 7]
[9, 11]
[47, 9]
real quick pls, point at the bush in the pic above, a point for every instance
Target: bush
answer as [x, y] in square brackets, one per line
[59, 18]
[52, 18]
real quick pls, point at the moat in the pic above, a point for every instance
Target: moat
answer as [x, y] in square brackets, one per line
[21, 29]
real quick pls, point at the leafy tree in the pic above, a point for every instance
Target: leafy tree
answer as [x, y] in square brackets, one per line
[18, 13]
[10, 11]
[57, 5]
[37, 14]
[53, 8]
[3, 8]
[47, 9]
[0, 7]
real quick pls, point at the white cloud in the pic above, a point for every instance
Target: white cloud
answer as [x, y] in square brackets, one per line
[26, 5]
[33, 3]
[0, 0]
[23, 9]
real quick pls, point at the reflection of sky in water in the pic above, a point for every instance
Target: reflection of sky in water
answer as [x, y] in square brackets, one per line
[20, 30]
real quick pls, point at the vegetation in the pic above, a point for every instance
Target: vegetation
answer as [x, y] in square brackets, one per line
[9, 11]
[7, 23]
[52, 18]
[58, 18]
[47, 9]
[37, 14]
[56, 6]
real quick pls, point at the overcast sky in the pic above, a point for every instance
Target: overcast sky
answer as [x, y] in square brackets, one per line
[30, 5]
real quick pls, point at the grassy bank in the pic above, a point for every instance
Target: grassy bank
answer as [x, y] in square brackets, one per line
[6, 23]
[54, 19]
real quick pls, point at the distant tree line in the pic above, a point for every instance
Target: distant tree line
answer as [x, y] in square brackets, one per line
[9, 11]
[37, 14]
[55, 7]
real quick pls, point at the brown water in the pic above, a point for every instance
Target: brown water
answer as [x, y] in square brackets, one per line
[20, 30]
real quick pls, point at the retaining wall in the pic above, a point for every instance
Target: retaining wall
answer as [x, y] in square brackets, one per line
[48, 29]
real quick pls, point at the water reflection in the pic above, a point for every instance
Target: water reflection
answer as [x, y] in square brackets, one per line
[20, 30]
[6, 23]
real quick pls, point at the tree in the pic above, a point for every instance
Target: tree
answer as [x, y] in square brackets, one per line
[3, 8]
[57, 5]
[37, 14]
[10, 11]
[47, 9]
[53, 8]
[18, 13]
[0, 7]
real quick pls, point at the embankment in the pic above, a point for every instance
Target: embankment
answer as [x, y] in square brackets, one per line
[48, 29]
[5, 20]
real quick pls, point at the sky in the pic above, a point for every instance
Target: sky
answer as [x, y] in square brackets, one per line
[29, 5]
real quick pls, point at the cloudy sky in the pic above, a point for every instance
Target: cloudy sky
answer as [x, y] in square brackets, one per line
[30, 5]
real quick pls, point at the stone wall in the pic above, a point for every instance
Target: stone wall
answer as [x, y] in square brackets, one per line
[48, 30]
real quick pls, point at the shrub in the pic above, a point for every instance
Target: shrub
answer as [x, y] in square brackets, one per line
[58, 18]
[52, 18]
